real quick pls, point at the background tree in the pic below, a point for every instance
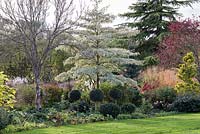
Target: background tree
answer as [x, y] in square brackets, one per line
[13, 60]
[94, 59]
[16, 65]
[184, 37]
[125, 41]
[151, 18]
[57, 58]
[27, 26]
[54, 65]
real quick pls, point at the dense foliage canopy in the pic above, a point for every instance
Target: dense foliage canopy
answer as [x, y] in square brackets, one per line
[94, 59]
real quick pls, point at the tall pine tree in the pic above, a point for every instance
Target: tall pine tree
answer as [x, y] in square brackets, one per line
[95, 59]
[151, 18]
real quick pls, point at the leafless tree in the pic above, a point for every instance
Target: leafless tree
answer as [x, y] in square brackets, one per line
[28, 26]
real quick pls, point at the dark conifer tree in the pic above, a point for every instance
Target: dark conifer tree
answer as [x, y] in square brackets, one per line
[151, 18]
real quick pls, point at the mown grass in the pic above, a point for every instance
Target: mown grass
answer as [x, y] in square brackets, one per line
[176, 124]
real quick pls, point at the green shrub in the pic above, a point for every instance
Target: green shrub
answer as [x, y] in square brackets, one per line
[150, 61]
[124, 116]
[110, 109]
[25, 96]
[58, 118]
[63, 105]
[186, 103]
[96, 95]
[83, 107]
[85, 96]
[127, 95]
[39, 117]
[74, 95]
[82, 119]
[128, 108]
[29, 125]
[165, 96]
[161, 98]
[131, 95]
[120, 93]
[18, 117]
[115, 94]
[26, 126]
[73, 106]
[146, 107]
[136, 96]
[96, 118]
[51, 94]
[106, 87]
[9, 129]
[4, 118]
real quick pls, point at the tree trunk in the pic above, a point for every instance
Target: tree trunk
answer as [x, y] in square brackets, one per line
[38, 91]
[98, 79]
[97, 105]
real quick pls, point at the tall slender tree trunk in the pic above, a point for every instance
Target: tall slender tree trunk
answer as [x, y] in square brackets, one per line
[98, 80]
[98, 77]
[38, 90]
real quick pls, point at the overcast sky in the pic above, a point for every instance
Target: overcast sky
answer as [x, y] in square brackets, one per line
[117, 7]
[121, 6]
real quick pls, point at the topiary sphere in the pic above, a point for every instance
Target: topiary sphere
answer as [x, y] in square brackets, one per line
[115, 94]
[128, 108]
[96, 95]
[74, 95]
[110, 109]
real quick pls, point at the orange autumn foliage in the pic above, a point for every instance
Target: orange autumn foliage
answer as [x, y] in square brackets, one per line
[158, 77]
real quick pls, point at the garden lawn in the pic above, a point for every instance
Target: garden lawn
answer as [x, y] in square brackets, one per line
[177, 124]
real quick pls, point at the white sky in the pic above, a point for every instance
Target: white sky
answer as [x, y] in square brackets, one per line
[117, 7]
[121, 6]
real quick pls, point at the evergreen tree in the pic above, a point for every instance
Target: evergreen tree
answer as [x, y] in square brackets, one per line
[151, 20]
[187, 72]
[95, 59]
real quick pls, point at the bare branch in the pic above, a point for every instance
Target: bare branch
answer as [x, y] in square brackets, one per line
[28, 21]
